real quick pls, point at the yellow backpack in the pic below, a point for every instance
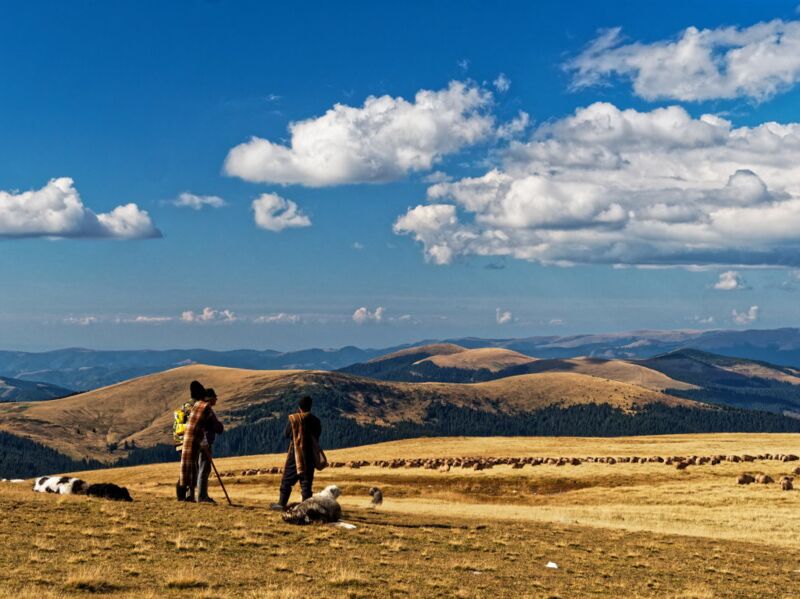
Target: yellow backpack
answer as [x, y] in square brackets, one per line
[179, 425]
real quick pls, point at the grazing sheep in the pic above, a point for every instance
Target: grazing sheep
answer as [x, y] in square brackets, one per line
[682, 465]
[377, 497]
[786, 483]
[745, 479]
[764, 479]
[320, 507]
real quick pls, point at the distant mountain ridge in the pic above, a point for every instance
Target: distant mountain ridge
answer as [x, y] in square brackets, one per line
[83, 369]
[14, 390]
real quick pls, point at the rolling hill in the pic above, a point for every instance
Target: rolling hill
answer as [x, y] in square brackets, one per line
[455, 364]
[12, 390]
[737, 382]
[132, 421]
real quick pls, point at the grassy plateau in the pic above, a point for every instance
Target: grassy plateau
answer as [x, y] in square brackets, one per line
[614, 530]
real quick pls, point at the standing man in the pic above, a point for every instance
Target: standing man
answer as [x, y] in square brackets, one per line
[303, 431]
[211, 427]
[192, 438]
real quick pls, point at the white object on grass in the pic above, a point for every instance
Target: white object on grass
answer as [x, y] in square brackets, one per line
[345, 525]
[552, 565]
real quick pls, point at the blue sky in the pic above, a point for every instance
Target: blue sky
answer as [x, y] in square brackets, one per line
[527, 224]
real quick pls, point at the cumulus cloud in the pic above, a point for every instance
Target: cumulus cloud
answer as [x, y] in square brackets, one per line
[730, 281]
[364, 316]
[380, 141]
[209, 315]
[502, 316]
[700, 64]
[196, 202]
[279, 318]
[624, 187]
[56, 210]
[274, 213]
[747, 317]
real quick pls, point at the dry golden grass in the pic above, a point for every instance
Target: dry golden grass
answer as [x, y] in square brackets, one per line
[433, 349]
[492, 359]
[624, 372]
[634, 530]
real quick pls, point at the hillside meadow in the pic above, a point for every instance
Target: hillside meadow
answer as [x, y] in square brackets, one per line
[633, 529]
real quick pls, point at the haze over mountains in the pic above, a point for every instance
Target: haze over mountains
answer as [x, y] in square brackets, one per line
[83, 369]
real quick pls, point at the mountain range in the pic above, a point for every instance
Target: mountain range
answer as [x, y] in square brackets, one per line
[84, 369]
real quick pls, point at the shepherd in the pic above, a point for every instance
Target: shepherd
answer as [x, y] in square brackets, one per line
[193, 438]
[304, 456]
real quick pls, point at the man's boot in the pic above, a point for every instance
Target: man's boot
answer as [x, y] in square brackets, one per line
[180, 491]
[280, 506]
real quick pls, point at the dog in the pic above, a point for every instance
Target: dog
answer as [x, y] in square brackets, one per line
[377, 497]
[320, 507]
[61, 485]
[109, 491]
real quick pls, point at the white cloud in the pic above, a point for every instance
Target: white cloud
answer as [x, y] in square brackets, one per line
[274, 213]
[730, 281]
[502, 316]
[624, 187]
[364, 316]
[555, 322]
[357, 245]
[279, 318]
[196, 202]
[701, 64]
[209, 315]
[502, 83]
[148, 319]
[742, 318]
[81, 320]
[514, 127]
[56, 210]
[380, 141]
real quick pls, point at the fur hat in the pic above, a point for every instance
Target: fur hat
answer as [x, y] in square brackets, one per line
[211, 393]
[196, 390]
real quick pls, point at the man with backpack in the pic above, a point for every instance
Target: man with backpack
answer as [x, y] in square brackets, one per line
[303, 431]
[193, 423]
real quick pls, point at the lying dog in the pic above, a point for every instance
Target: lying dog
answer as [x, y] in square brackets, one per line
[320, 507]
[109, 491]
[63, 485]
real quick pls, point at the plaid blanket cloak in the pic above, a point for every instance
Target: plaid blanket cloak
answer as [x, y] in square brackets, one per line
[298, 440]
[191, 443]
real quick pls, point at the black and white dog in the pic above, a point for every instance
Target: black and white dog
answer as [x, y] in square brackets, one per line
[63, 485]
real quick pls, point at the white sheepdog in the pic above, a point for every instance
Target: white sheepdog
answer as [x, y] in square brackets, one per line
[320, 507]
